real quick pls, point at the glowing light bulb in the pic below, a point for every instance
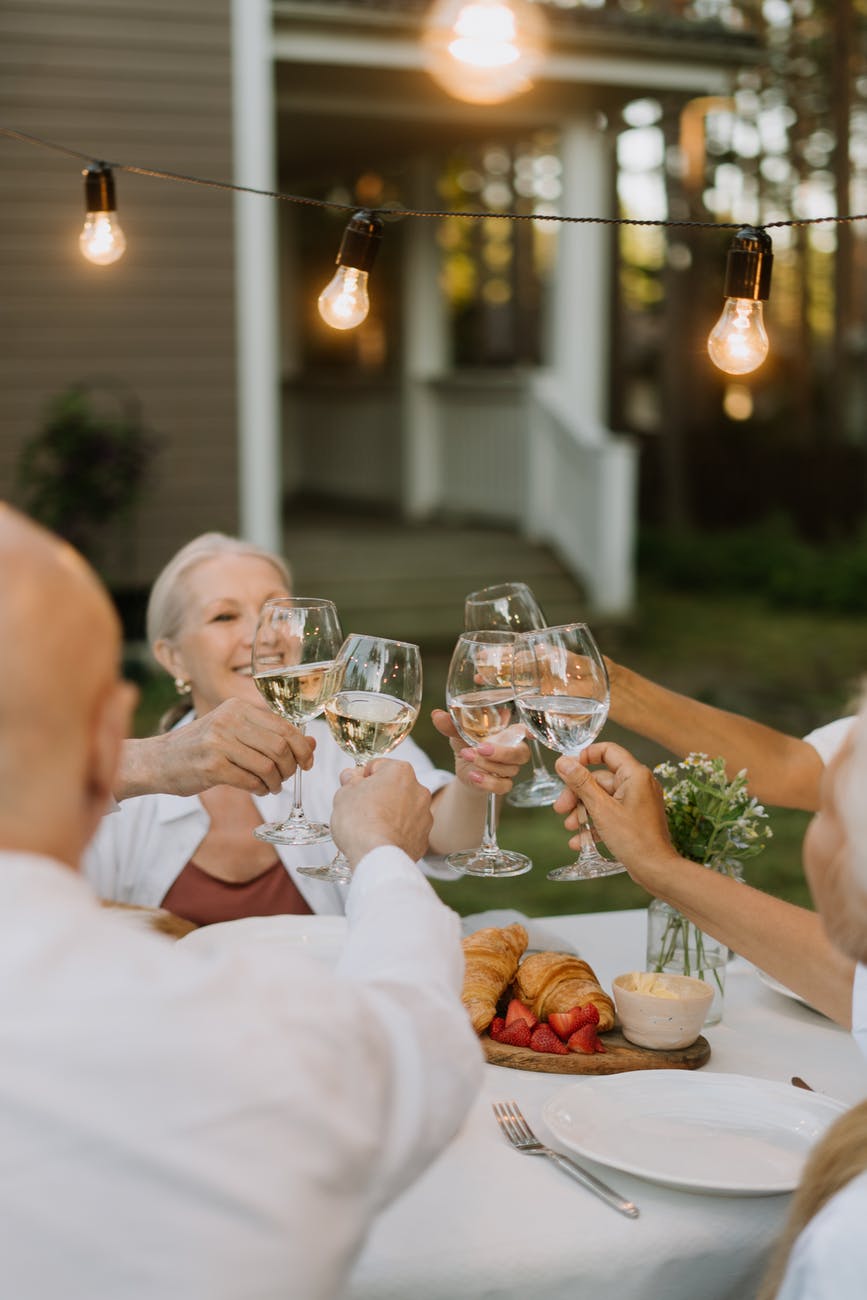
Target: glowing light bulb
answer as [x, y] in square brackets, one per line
[484, 51]
[344, 301]
[738, 342]
[101, 240]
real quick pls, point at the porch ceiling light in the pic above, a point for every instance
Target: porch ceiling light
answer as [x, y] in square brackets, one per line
[101, 240]
[484, 51]
[738, 342]
[344, 303]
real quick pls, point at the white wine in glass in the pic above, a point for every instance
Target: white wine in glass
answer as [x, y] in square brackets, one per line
[375, 698]
[294, 646]
[512, 607]
[480, 696]
[562, 694]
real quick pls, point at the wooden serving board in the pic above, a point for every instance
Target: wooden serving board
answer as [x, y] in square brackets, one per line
[619, 1055]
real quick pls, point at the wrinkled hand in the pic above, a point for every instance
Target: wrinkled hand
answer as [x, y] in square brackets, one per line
[624, 802]
[239, 743]
[490, 767]
[382, 803]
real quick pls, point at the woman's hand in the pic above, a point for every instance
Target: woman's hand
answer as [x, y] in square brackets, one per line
[490, 767]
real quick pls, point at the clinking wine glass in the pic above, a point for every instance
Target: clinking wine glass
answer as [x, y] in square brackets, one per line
[481, 701]
[512, 607]
[374, 702]
[562, 694]
[294, 646]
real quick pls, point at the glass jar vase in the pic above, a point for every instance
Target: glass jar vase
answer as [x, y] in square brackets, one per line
[678, 947]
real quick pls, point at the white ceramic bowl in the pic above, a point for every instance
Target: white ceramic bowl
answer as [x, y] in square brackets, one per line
[649, 1020]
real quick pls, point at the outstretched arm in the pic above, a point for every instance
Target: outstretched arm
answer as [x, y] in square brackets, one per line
[783, 770]
[626, 806]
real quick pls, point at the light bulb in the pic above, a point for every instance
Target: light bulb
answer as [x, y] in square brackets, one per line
[738, 342]
[344, 303]
[101, 240]
[484, 51]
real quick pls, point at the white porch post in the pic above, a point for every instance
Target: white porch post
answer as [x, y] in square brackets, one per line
[256, 277]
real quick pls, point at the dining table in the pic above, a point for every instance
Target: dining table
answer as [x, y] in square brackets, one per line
[485, 1221]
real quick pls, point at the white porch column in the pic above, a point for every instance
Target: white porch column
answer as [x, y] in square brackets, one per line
[579, 296]
[425, 350]
[256, 278]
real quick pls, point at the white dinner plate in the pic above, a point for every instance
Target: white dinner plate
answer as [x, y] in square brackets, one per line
[723, 1133]
[777, 987]
[322, 937]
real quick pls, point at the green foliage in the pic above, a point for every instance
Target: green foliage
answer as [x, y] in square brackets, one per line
[84, 469]
[710, 819]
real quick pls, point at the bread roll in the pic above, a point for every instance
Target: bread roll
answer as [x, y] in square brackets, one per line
[557, 981]
[491, 959]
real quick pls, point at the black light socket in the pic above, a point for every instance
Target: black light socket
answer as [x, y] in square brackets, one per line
[749, 263]
[360, 242]
[99, 189]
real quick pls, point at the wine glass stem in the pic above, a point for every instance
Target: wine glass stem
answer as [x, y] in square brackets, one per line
[340, 863]
[297, 813]
[489, 835]
[539, 767]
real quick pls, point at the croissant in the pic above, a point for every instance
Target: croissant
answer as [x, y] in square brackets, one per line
[491, 959]
[556, 981]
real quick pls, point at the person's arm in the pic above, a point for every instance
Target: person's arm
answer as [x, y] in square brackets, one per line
[790, 943]
[238, 744]
[459, 807]
[783, 770]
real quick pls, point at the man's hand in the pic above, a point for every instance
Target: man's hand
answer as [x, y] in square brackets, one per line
[625, 804]
[238, 743]
[490, 767]
[380, 804]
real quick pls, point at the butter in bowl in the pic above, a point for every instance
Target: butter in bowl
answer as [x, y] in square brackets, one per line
[661, 1010]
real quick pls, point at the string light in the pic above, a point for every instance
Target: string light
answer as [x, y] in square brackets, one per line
[344, 303]
[484, 51]
[101, 240]
[738, 343]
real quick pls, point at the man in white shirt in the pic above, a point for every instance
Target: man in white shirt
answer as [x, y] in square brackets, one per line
[174, 1124]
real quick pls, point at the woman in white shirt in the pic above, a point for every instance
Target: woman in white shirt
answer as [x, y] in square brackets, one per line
[195, 854]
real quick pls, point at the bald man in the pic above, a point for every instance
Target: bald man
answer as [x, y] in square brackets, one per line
[178, 1125]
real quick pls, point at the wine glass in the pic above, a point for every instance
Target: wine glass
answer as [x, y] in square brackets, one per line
[374, 702]
[481, 700]
[562, 694]
[294, 646]
[512, 607]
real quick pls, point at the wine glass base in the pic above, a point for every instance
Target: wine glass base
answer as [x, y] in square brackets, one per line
[589, 867]
[500, 862]
[536, 792]
[287, 833]
[329, 873]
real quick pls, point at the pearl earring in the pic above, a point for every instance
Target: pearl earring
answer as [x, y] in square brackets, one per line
[182, 687]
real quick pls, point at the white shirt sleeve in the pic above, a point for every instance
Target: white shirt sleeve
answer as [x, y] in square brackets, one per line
[828, 739]
[829, 1259]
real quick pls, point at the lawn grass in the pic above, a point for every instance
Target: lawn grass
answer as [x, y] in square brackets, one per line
[787, 669]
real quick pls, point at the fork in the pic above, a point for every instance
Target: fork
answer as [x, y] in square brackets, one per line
[518, 1132]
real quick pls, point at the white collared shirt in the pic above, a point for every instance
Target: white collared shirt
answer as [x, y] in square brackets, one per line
[143, 846]
[213, 1127]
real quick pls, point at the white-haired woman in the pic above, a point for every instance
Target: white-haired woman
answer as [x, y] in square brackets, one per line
[177, 841]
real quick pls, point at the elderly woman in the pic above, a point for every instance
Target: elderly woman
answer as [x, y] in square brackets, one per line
[194, 853]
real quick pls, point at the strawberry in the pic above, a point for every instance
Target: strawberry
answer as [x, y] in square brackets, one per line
[543, 1039]
[496, 1027]
[564, 1023]
[517, 1011]
[517, 1034]
[585, 1040]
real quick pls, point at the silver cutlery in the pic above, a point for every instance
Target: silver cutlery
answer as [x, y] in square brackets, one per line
[516, 1130]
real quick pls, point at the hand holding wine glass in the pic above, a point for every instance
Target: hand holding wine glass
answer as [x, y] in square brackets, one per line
[294, 646]
[375, 697]
[481, 701]
[562, 695]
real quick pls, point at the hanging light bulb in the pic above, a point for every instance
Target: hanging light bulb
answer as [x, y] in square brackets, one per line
[101, 241]
[344, 303]
[738, 342]
[484, 51]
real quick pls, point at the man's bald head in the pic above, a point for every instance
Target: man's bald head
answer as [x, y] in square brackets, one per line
[61, 646]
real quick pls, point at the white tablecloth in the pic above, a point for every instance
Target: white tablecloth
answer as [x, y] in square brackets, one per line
[487, 1222]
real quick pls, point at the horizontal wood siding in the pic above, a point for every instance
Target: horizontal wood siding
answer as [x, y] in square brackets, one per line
[145, 82]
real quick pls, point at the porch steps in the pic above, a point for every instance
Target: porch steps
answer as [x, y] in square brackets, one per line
[393, 578]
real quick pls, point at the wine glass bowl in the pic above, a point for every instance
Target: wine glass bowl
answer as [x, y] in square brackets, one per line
[294, 646]
[480, 696]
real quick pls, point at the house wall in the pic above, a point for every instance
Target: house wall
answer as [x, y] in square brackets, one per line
[144, 82]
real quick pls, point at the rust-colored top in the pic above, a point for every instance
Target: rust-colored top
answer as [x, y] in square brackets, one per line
[205, 900]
